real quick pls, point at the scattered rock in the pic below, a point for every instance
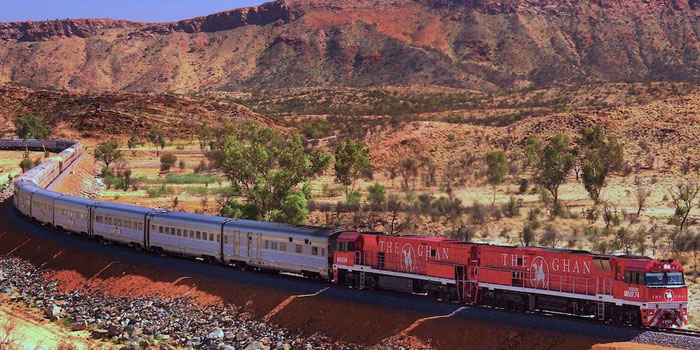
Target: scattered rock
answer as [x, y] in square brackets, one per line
[79, 326]
[172, 322]
[217, 334]
[256, 345]
[98, 334]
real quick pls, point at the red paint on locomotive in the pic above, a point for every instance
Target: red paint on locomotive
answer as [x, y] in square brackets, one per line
[648, 290]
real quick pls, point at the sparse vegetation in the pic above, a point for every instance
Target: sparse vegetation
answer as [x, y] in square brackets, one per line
[108, 152]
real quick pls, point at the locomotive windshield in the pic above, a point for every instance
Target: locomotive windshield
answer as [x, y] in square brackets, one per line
[665, 279]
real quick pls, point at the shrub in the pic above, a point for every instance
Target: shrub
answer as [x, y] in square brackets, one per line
[512, 207]
[315, 128]
[182, 165]
[167, 160]
[198, 191]
[202, 167]
[353, 197]
[557, 210]
[477, 213]
[377, 194]
[591, 233]
[26, 164]
[524, 184]
[154, 192]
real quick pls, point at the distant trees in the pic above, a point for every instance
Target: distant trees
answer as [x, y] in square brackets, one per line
[167, 161]
[29, 126]
[684, 195]
[157, 138]
[315, 128]
[268, 168]
[641, 195]
[351, 159]
[497, 168]
[132, 143]
[204, 135]
[601, 154]
[407, 167]
[553, 162]
[107, 152]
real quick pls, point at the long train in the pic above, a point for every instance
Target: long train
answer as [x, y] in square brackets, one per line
[631, 290]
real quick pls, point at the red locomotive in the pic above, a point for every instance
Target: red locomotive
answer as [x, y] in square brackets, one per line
[621, 289]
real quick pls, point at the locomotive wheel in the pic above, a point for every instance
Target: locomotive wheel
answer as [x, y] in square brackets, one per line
[370, 283]
[349, 280]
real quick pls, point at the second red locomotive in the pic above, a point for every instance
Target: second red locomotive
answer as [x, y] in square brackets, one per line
[621, 289]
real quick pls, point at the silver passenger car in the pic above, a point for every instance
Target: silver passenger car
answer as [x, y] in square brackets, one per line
[283, 247]
[73, 213]
[43, 205]
[23, 195]
[187, 234]
[43, 174]
[120, 223]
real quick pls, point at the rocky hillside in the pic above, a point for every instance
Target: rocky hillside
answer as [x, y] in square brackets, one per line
[477, 44]
[78, 116]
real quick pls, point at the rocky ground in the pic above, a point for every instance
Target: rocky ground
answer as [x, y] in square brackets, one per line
[148, 320]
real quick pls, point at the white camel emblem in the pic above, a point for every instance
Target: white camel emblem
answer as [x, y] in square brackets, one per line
[539, 273]
[668, 295]
[407, 259]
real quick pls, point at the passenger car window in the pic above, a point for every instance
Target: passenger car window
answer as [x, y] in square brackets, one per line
[298, 248]
[314, 250]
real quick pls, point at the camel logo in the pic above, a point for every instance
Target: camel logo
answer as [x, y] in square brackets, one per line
[539, 273]
[668, 295]
[407, 255]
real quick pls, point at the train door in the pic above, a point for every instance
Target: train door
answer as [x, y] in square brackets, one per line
[259, 248]
[91, 220]
[147, 230]
[249, 245]
[237, 243]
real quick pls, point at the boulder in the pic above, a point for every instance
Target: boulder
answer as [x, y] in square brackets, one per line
[217, 334]
[98, 334]
[79, 326]
[256, 345]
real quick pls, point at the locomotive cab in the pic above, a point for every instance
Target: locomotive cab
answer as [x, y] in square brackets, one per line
[659, 286]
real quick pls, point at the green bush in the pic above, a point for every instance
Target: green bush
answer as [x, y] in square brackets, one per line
[184, 179]
[512, 208]
[198, 191]
[154, 192]
[315, 128]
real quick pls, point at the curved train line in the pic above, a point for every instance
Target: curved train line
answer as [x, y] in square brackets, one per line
[32, 199]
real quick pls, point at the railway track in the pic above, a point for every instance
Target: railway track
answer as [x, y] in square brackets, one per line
[678, 331]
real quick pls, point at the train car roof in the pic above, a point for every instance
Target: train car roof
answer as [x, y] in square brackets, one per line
[301, 230]
[76, 200]
[189, 217]
[131, 209]
[47, 193]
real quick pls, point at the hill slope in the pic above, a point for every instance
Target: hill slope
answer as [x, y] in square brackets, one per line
[483, 44]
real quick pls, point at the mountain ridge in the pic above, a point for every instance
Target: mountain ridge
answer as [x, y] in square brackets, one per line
[480, 44]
